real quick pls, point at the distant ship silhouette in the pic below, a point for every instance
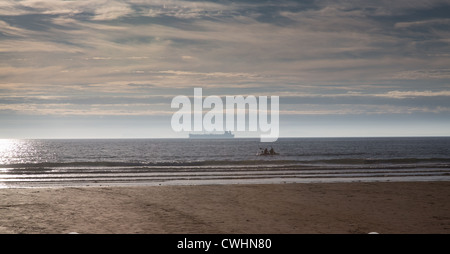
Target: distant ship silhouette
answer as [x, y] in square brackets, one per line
[225, 135]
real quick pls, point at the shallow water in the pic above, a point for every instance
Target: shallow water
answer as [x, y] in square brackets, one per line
[35, 163]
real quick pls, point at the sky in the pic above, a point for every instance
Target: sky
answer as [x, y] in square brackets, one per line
[110, 68]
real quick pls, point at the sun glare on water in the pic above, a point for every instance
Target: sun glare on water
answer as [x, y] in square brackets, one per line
[13, 151]
[6, 149]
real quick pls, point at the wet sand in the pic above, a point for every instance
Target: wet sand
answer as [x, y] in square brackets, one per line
[383, 207]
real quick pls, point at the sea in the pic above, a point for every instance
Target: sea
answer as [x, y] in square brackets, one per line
[34, 163]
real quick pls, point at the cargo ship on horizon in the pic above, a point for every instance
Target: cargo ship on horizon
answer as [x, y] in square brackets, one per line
[225, 135]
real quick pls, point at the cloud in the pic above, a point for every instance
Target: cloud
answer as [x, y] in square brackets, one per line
[426, 23]
[99, 10]
[423, 74]
[319, 37]
[211, 74]
[111, 10]
[183, 9]
[413, 94]
[430, 99]
[10, 31]
[321, 57]
[361, 110]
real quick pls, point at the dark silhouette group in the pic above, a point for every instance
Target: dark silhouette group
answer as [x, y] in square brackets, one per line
[267, 151]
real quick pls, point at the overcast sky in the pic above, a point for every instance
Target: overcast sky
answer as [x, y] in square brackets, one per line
[110, 68]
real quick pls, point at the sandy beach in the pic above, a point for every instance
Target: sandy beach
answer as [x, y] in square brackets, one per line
[348, 208]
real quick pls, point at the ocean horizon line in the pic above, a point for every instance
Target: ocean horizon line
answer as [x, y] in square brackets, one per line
[187, 138]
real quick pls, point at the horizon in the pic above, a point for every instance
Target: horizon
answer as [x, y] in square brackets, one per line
[109, 69]
[203, 140]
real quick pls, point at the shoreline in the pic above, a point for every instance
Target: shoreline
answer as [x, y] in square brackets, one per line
[293, 208]
[148, 179]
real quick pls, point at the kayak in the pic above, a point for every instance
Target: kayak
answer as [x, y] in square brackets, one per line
[265, 154]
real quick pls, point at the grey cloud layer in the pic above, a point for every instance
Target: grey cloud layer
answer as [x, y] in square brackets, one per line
[124, 49]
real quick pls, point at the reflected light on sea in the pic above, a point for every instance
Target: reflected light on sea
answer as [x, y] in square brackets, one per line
[6, 149]
[14, 150]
